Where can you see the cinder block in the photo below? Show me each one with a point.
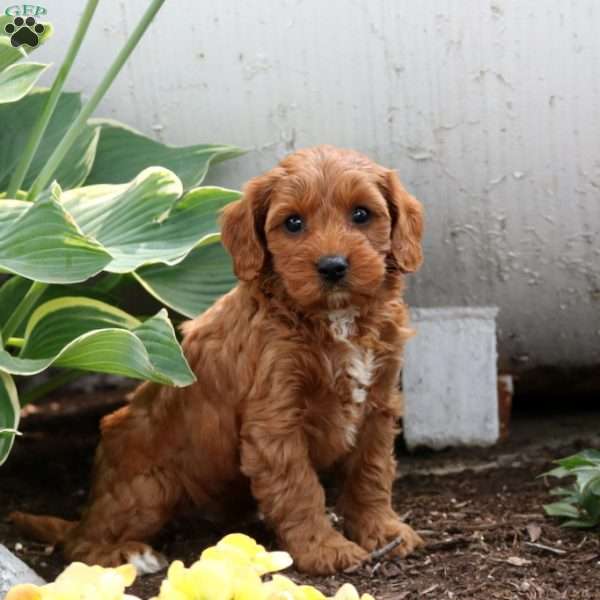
(450, 378)
(13, 570)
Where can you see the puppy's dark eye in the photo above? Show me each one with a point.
(360, 215)
(294, 224)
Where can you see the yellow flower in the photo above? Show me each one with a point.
(214, 577)
(80, 582)
(24, 591)
(348, 592)
(283, 588)
(231, 570)
(241, 550)
(204, 580)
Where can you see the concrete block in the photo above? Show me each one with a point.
(450, 378)
(13, 570)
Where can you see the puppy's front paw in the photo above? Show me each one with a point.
(144, 558)
(147, 562)
(328, 554)
(375, 532)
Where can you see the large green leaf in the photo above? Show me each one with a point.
(8, 53)
(17, 80)
(13, 290)
(9, 414)
(561, 509)
(107, 287)
(192, 285)
(585, 458)
(81, 333)
(18, 118)
(40, 241)
(123, 152)
(144, 221)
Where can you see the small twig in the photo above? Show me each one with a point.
(381, 552)
(450, 543)
(434, 587)
(547, 548)
(376, 554)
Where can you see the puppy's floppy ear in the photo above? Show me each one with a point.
(242, 225)
(407, 223)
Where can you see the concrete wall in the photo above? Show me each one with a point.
(489, 109)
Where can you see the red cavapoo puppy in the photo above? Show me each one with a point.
(297, 372)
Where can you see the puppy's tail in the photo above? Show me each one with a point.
(51, 530)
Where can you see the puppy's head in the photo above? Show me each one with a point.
(333, 226)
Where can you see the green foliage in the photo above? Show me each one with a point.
(580, 501)
(17, 80)
(87, 207)
(124, 152)
(18, 121)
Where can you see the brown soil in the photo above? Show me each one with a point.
(480, 511)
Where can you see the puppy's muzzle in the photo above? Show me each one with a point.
(332, 268)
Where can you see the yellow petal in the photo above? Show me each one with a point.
(24, 591)
(242, 542)
(79, 574)
(281, 583)
(226, 554)
(280, 595)
(128, 573)
(247, 585)
(212, 580)
(311, 593)
(169, 592)
(268, 562)
(346, 592)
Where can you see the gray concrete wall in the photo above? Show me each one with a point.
(490, 110)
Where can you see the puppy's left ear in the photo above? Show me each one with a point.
(242, 226)
(407, 223)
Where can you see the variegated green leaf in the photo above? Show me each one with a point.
(85, 334)
(145, 221)
(17, 80)
(18, 118)
(123, 152)
(192, 285)
(9, 414)
(40, 241)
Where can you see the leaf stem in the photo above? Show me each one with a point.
(15, 342)
(19, 174)
(57, 156)
(31, 297)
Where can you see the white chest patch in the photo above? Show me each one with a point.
(343, 322)
(360, 364)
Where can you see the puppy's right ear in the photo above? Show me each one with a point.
(242, 225)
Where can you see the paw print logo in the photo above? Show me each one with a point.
(24, 31)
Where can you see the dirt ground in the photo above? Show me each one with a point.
(480, 511)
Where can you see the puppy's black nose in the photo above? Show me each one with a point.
(332, 268)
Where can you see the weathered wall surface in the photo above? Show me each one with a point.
(490, 110)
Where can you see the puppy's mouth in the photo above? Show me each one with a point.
(337, 296)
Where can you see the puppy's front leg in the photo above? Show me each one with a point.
(366, 498)
(275, 457)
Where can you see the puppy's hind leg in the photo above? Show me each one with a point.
(121, 518)
(135, 491)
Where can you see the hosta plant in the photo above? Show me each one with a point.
(579, 503)
(85, 206)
